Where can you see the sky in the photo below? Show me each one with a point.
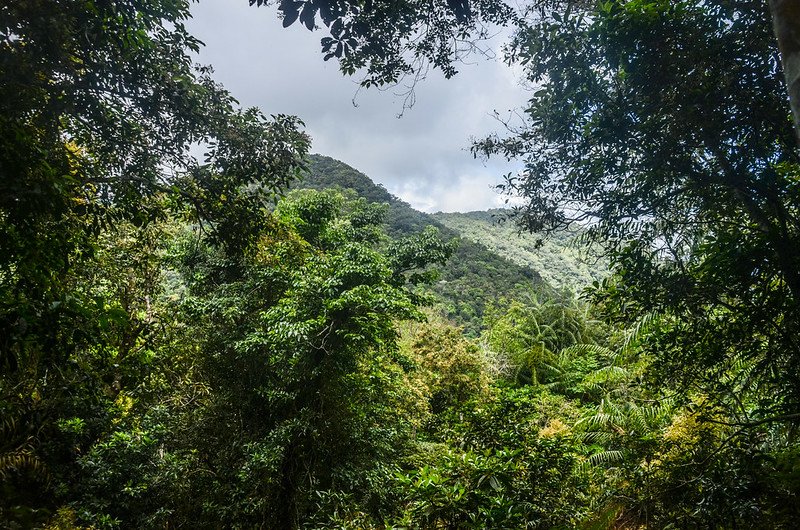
(422, 157)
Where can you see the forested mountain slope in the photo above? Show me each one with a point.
(562, 260)
(491, 260)
(473, 276)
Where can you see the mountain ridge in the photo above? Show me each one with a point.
(561, 258)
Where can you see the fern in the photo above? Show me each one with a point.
(582, 350)
(606, 457)
(602, 458)
(633, 338)
(22, 460)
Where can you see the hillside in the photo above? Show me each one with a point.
(488, 263)
(561, 259)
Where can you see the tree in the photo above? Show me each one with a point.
(287, 377)
(99, 107)
(786, 23)
(450, 370)
(664, 126)
(528, 333)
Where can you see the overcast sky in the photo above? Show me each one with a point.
(422, 157)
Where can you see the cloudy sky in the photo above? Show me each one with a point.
(422, 157)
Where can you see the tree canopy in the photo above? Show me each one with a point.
(665, 127)
(100, 109)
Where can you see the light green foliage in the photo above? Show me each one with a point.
(562, 259)
(449, 368)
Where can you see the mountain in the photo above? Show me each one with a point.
(484, 268)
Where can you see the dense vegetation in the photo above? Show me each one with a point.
(467, 283)
(563, 259)
(189, 343)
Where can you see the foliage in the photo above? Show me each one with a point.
(529, 334)
(494, 489)
(392, 40)
(449, 368)
(665, 125)
(292, 347)
(561, 259)
(690, 472)
(176, 351)
(469, 281)
(100, 106)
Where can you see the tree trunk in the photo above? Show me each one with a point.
(786, 24)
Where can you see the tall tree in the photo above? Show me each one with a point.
(664, 126)
(281, 383)
(99, 107)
